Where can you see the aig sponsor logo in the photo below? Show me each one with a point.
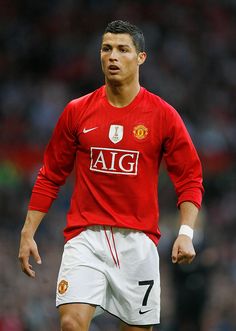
(114, 161)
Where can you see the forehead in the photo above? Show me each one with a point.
(116, 39)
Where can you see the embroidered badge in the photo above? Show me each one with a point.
(116, 133)
(140, 131)
(63, 286)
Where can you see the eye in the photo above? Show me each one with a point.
(124, 50)
(105, 49)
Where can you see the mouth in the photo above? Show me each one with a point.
(113, 68)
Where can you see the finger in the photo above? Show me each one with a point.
(29, 271)
(36, 256)
(191, 258)
(182, 260)
(175, 254)
(185, 258)
(26, 267)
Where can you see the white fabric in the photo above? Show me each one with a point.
(186, 230)
(117, 271)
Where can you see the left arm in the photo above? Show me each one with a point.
(185, 171)
(183, 250)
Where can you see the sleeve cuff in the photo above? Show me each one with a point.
(191, 196)
(40, 202)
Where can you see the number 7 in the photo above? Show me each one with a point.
(150, 285)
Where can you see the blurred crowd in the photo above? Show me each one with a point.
(49, 54)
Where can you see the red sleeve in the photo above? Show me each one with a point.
(58, 163)
(182, 161)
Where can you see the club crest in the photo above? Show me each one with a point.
(140, 132)
(116, 133)
(62, 286)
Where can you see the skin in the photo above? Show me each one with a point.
(122, 85)
(120, 63)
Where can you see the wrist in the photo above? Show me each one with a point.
(27, 233)
(186, 230)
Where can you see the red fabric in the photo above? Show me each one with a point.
(117, 176)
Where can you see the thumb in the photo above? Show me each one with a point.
(174, 253)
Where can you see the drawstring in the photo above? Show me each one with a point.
(115, 258)
(114, 244)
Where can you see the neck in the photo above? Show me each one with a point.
(120, 95)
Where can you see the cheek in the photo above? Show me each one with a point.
(102, 62)
(132, 65)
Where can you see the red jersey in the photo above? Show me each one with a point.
(117, 154)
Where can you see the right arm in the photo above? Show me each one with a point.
(58, 163)
(59, 158)
(28, 245)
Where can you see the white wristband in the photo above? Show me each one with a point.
(187, 230)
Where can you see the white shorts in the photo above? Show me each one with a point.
(115, 269)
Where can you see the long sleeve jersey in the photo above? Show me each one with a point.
(116, 153)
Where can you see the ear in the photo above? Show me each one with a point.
(141, 57)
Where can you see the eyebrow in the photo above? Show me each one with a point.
(120, 45)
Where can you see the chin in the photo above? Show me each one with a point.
(115, 80)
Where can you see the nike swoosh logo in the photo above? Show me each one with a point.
(88, 130)
(144, 312)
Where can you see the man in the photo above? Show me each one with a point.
(116, 138)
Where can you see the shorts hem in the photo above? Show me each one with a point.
(77, 302)
(129, 323)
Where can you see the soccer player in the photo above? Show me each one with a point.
(115, 137)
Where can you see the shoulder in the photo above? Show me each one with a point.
(76, 108)
(160, 105)
(156, 99)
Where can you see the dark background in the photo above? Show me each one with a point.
(49, 54)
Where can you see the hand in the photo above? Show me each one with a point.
(183, 250)
(28, 247)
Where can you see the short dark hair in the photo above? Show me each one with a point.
(126, 27)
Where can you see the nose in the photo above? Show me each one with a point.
(113, 55)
